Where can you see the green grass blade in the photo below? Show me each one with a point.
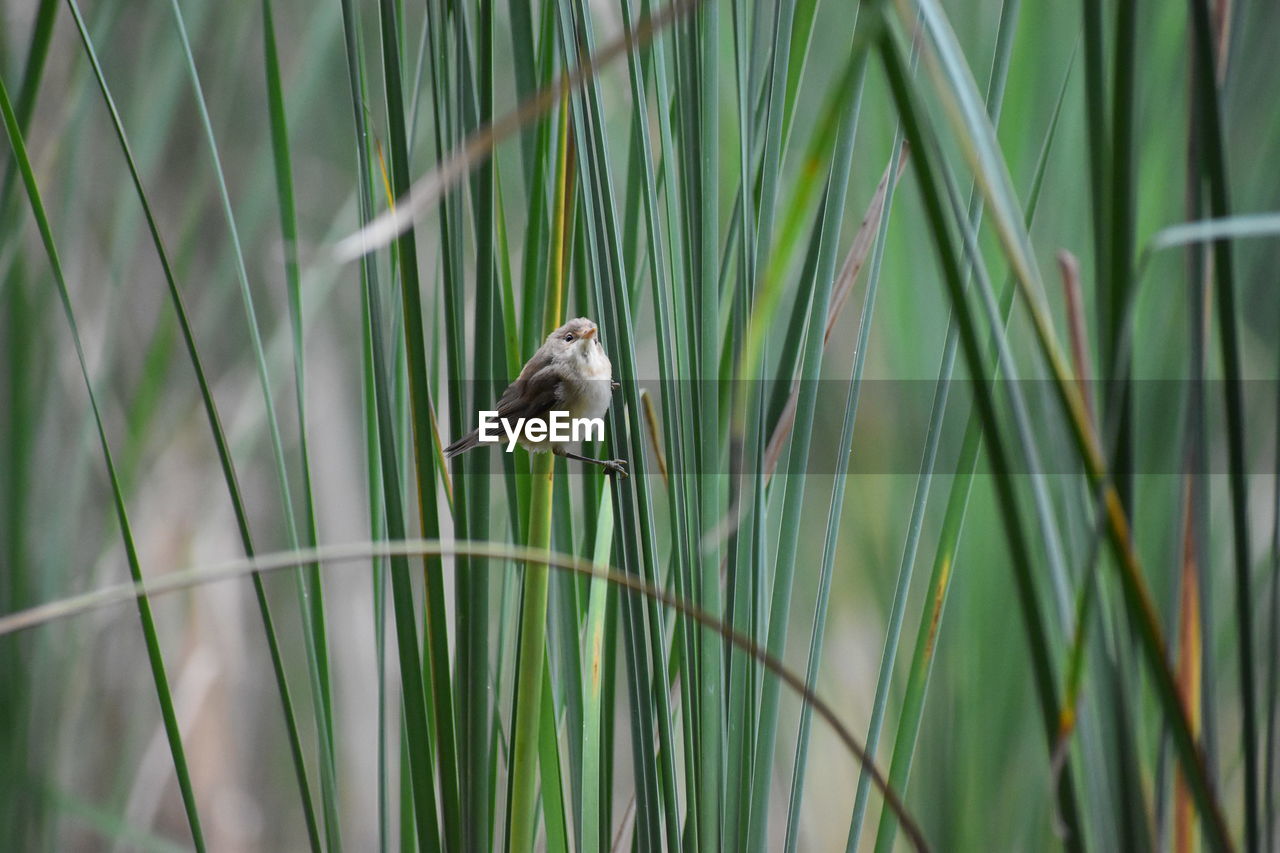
(289, 235)
(553, 805)
(801, 36)
(154, 655)
(32, 74)
(489, 366)
(1214, 147)
(533, 631)
(793, 486)
(665, 277)
(215, 424)
(982, 151)
(644, 626)
(594, 794)
(935, 201)
(1272, 654)
(1098, 144)
(1116, 282)
(533, 607)
(436, 658)
(836, 506)
(953, 519)
(317, 654)
(418, 785)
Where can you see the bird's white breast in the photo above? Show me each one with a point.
(589, 398)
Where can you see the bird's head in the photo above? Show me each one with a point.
(575, 337)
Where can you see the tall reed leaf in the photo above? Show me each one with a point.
(215, 425)
(154, 655)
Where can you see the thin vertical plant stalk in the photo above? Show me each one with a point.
(1214, 147)
(533, 608)
(593, 791)
(435, 659)
(418, 799)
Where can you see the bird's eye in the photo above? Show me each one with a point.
(569, 338)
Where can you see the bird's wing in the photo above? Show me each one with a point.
(539, 390)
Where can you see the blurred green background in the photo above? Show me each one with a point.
(87, 762)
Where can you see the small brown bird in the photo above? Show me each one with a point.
(569, 373)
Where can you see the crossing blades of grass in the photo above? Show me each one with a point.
(428, 189)
(945, 557)
(644, 624)
(935, 200)
(793, 500)
(215, 425)
(363, 552)
(436, 657)
(315, 642)
(154, 655)
(418, 815)
(877, 224)
(289, 236)
(980, 148)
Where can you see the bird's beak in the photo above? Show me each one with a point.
(589, 333)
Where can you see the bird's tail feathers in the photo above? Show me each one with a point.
(462, 445)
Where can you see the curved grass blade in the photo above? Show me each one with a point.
(494, 554)
(154, 655)
(1239, 227)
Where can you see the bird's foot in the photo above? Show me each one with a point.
(615, 385)
(616, 466)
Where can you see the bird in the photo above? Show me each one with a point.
(570, 373)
